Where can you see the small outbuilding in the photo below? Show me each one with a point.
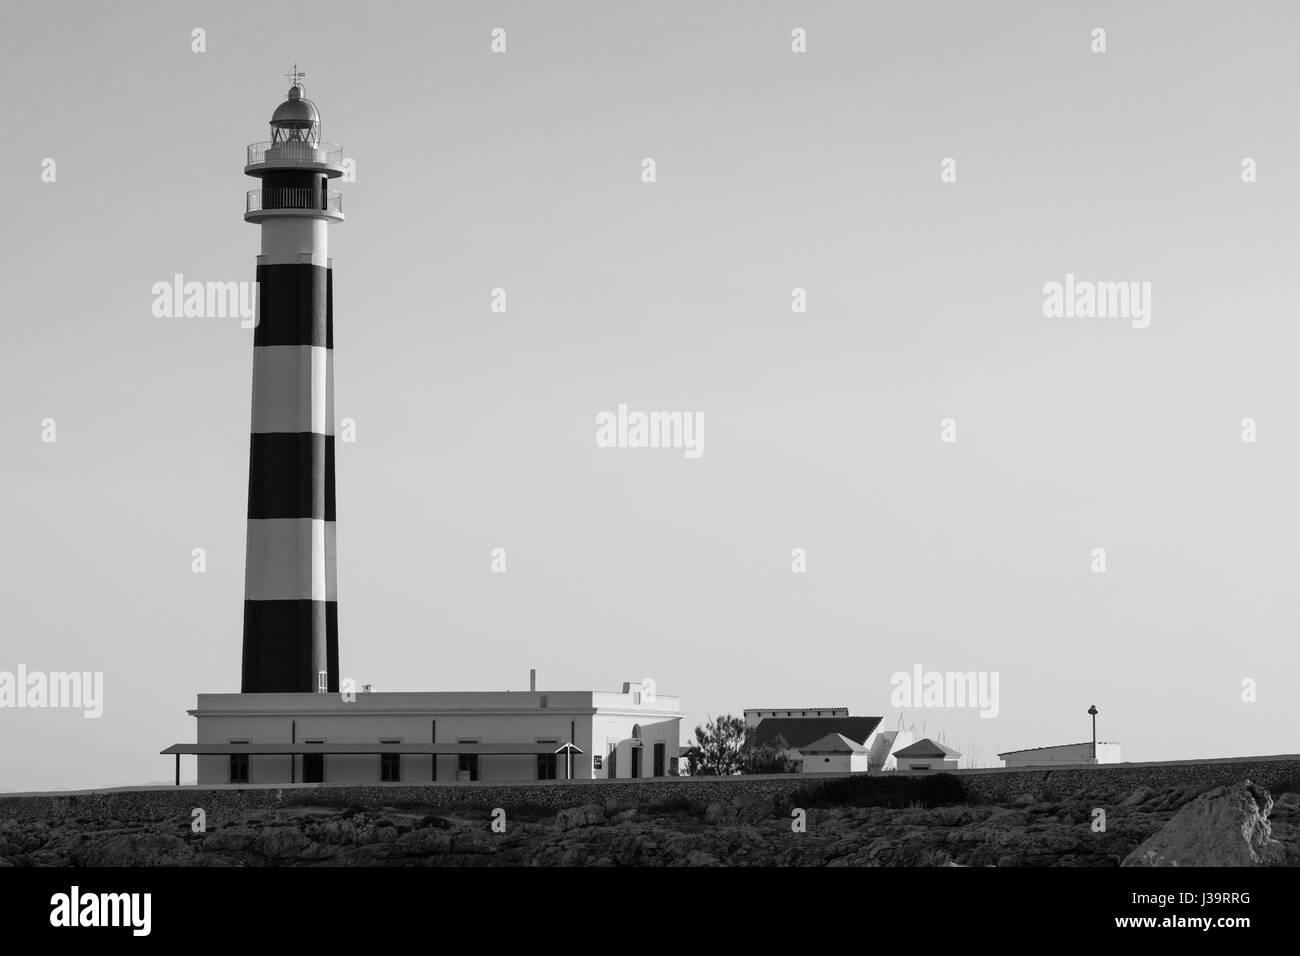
(835, 753)
(926, 754)
(1084, 753)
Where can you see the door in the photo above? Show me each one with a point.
(313, 768)
(660, 751)
(636, 762)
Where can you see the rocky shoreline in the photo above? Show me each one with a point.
(856, 823)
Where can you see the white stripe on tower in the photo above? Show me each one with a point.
(292, 389)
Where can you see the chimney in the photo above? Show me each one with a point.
(532, 679)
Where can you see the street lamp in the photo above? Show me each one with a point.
(1093, 710)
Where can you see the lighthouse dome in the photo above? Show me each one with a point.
(296, 111)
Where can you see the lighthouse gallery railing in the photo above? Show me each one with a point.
(330, 154)
(293, 197)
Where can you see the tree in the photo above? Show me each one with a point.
(725, 746)
(771, 757)
(719, 749)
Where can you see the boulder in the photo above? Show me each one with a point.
(700, 858)
(752, 807)
(716, 813)
(426, 842)
(586, 815)
(137, 849)
(1137, 797)
(474, 841)
(230, 838)
(283, 842)
(1225, 826)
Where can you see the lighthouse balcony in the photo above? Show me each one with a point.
(324, 158)
(300, 201)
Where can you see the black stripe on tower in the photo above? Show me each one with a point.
(289, 311)
(291, 475)
(277, 658)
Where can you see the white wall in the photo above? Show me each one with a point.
(836, 763)
(1066, 754)
(927, 763)
(615, 731)
(282, 718)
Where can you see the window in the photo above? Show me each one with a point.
(390, 765)
(547, 766)
(239, 768)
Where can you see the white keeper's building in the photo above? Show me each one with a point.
(439, 736)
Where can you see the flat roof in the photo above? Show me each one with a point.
(1086, 743)
(503, 749)
(422, 703)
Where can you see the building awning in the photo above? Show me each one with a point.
(341, 749)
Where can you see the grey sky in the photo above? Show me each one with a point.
(475, 429)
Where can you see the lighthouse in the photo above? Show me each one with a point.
(290, 600)
(289, 723)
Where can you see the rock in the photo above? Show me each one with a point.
(229, 838)
(137, 849)
(752, 807)
(1225, 826)
(426, 842)
(700, 858)
(1025, 800)
(341, 832)
(1137, 797)
(283, 842)
(1289, 802)
(586, 815)
(473, 841)
(716, 813)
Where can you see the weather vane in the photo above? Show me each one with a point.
(295, 78)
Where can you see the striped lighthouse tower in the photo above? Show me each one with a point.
(290, 604)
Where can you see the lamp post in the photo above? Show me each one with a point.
(1093, 710)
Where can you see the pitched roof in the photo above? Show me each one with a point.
(925, 747)
(799, 732)
(833, 744)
